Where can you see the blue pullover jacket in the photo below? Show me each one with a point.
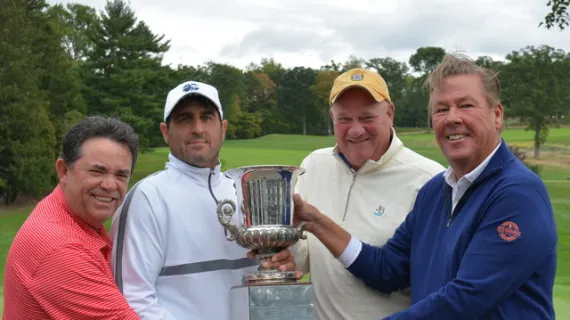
(494, 257)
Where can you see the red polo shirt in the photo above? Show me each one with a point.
(59, 267)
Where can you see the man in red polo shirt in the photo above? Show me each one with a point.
(58, 266)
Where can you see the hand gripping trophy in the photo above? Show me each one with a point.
(265, 209)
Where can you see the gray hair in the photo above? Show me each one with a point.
(459, 64)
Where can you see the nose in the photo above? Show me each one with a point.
(198, 126)
(356, 129)
(109, 182)
(453, 117)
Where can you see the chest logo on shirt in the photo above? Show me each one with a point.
(509, 231)
(379, 211)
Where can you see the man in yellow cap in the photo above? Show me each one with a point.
(367, 183)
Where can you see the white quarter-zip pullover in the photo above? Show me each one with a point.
(171, 258)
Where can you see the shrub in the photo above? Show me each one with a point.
(521, 155)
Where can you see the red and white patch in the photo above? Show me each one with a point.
(509, 231)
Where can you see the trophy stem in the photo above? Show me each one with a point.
(266, 254)
(271, 275)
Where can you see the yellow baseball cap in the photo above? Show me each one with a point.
(358, 77)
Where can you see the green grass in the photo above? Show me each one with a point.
(291, 149)
(10, 223)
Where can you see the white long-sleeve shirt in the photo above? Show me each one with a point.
(370, 204)
(170, 255)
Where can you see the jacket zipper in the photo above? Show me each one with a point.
(348, 196)
(212, 193)
(453, 212)
(210, 185)
(450, 212)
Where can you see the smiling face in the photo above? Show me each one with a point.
(96, 183)
(195, 133)
(466, 127)
(362, 126)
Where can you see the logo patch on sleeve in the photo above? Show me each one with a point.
(509, 231)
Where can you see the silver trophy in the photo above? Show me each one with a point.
(265, 202)
(265, 210)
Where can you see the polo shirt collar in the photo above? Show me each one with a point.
(97, 238)
(470, 177)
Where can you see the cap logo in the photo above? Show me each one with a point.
(357, 77)
(190, 87)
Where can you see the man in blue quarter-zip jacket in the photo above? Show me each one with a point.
(480, 241)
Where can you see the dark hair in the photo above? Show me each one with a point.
(194, 98)
(98, 127)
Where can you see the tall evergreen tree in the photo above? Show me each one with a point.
(27, 136)
(60, 78)
(124, 76)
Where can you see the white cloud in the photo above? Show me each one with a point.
(297, 33)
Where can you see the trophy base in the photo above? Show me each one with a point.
(270, 276)
(277, 301)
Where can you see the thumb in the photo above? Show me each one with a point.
(298, 201)
(297, 206)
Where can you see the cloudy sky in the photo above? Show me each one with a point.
(311, 33)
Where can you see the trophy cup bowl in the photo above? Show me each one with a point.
(266, 211)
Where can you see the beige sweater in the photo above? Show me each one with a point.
(370, 204)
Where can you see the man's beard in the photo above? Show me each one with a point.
(202, 161)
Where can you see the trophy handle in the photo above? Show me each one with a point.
(301, 229)
(225, 210)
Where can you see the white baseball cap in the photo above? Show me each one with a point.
(190, 88)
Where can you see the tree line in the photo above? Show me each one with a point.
(60, 63)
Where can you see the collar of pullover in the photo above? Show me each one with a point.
(201, 175)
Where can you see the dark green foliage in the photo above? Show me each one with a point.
(536, 88)
(123, 74)
(27, 136)
(60, 63)
(558, 15)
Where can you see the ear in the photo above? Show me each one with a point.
(390, 111)
(224, 128)
(498, 112)
(62, 170)
(164, 131)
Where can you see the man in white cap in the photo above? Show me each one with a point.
(171, 258)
